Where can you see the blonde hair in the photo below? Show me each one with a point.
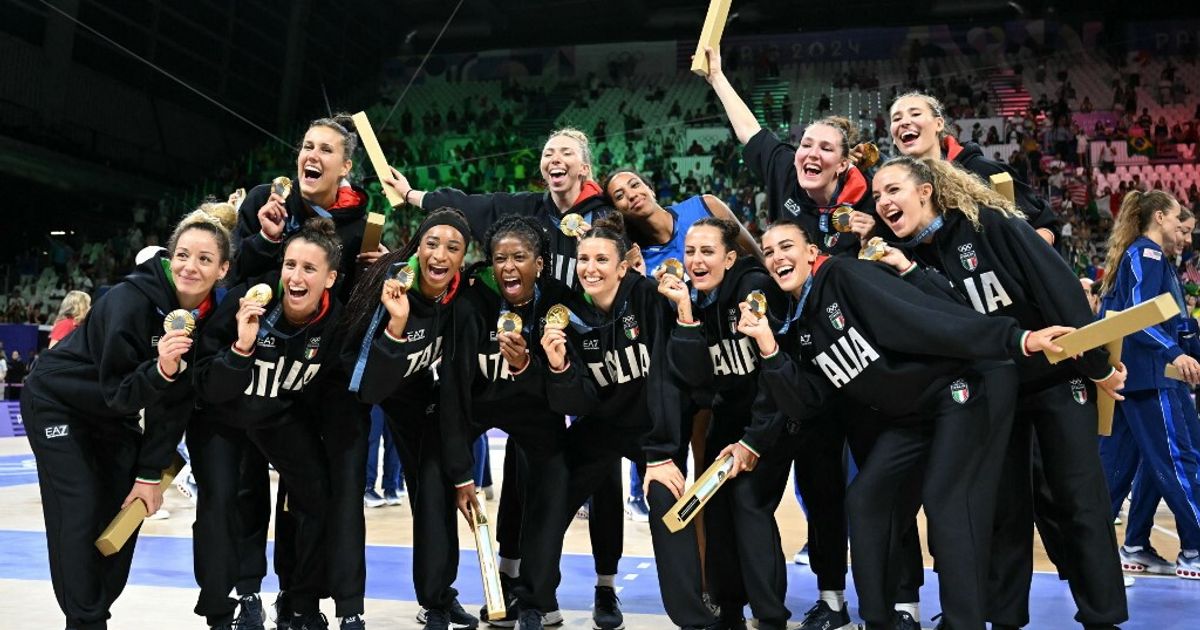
(216, 218)
(75, 305)
(1134, 218)
(585, 147)
(843, 126)
(935, 107)
(955, 189)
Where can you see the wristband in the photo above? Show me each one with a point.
(406, 197)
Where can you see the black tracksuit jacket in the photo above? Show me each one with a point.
(286, 372)
(1005, 268)
(476, 382)
(887, 344)
(108, 369)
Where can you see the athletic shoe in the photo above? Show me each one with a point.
(636, 510)
(531, 619)
(801, 556)
(372, 499)
(1144, 560)
(1188, 566)
(584, 512)
(391, 497)
(822, 617)
(314, 621)
(283, 611)
(251, 615)
(161, 515)
(437, 619)
(901, 620)
(353, 622)
(509, 620)
(185, 484)
(459, 618)
(552, 618)
(606, 610)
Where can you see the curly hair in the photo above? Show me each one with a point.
(524, 229)
(955, 189)
(1137, 212)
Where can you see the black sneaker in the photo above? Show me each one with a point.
(437, 619)
(353, 622)
(901, 620)
(510, 607)
(459, 618)
(822, 617)
(531, 619)
(283, 611)
(314, 621)
(606, 611)
(251, 615)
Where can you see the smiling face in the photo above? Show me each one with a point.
(600, 266)
(563, 165)
(903, 205)
(322, 162)
(820, 160)
(705, 257)
(516, 267)
(788, 256)
(305, 276)
(196, 266)
(1185, 235)
(440, 256)
(631, 196)
(915, 128)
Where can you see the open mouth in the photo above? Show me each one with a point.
(557, 175)
(591, 280)
(812, 170)
(297, 293)
(784, 271)
(909, 136)
(697, 274)
(511, 285)
(436, 273)
(310, 174)
(893, 216)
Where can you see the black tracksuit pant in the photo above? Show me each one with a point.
(863, 427)
(1066, 434)
(86, 468)
(343, 424)
(744, 555)
(946, 441)
(594, 448)
(295, 450)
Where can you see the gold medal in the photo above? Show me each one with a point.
(558, 316)
(260, 294)
(571, 225)
(758, 303)
(405, 276)
(874, 249)
(509, 323)
(180, 319)
(670, 266)
(841, 218)
(281, 186)
(870, 155)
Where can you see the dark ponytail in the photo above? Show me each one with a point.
(342, 123)
(610, 227)
(322, 232)
(728, 229)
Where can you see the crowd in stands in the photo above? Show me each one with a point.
(1089, 136)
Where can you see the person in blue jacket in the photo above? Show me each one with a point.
(1150, 422)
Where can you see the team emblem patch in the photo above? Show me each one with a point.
(631, 327)
(960, 392)
(1078, 391)
(968, 257)
(831, 240)
(311, 351)
(836, 319)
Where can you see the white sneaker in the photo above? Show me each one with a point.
(161, 515)
(1144, 560)
(1188, 566)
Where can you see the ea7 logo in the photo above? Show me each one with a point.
(591, 344)
(791, 206)
(416, 335)
(57, 431)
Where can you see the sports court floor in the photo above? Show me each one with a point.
(161, 591)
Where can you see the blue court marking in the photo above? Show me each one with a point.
(1154, 603)
(16, 470)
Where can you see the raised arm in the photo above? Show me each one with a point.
(745, 125)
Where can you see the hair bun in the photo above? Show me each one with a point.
(222, 212)
(321, 225)
(611, 221)
(346, 120)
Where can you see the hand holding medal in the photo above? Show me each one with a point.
(250, 310)
(394, 298)
(179, 325)
(512, 342)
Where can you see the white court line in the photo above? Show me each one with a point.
(630, 576)
(643, 565)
